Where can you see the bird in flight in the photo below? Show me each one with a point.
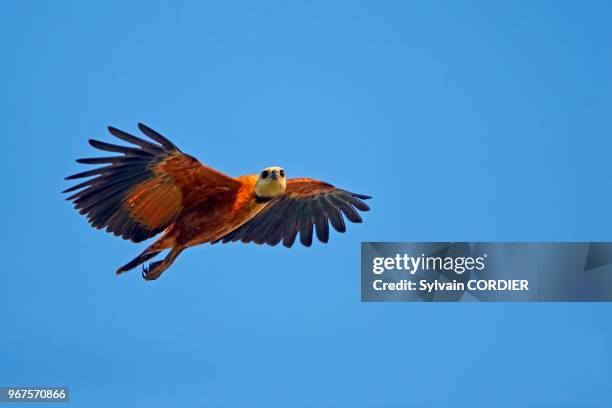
(153, 187)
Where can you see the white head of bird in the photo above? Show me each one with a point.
(271, 182)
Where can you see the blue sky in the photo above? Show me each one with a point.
(465, 120)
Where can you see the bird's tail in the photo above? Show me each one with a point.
(140, 259)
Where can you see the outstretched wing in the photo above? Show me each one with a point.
(143, 190)
(305, 204)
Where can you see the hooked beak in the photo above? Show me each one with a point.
(274, 175)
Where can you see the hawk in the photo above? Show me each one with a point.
(152, 187)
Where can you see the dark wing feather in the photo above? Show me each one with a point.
(145, 145)
(167, 144)
(140, 192)
(307, 207)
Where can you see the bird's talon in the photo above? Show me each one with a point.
(149, 272)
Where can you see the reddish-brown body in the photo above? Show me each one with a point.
(215, 217)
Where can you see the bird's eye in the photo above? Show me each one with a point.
(282, 173)
(264, 174)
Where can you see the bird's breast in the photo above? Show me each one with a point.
(216, 218)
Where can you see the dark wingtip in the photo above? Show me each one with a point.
(72, 177)
(114, 131)
(70, 190)
(362, 196)
(144, 128)
(156, 136)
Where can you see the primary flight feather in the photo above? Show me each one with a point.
(154, 187)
